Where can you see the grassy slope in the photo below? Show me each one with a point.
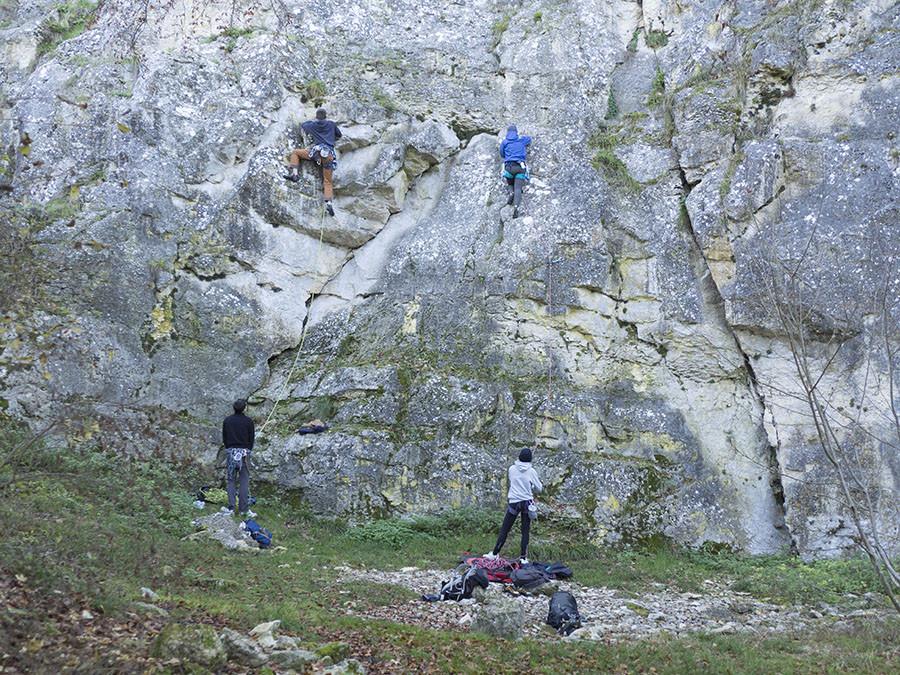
(101, 528)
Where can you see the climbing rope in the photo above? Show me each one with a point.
(550, 315)
(312, 297)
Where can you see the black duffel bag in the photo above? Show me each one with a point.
(563, 615)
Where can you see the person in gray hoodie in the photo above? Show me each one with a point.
(523, 483)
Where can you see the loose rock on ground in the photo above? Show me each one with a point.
(607, 614)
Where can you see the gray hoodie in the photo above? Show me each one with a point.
(523, 479)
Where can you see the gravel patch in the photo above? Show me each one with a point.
(608, 615)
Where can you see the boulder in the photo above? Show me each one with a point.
(286, 643)
(242, 649)
(293, 659)
(223, 528)
(500, 617)
(190, 644)
(347, 666)
(264, 633)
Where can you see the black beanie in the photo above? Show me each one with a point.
(525, 455)
(321, 114)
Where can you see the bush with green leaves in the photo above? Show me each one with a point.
(390, 532)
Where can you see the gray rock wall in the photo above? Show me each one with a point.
(156, 266)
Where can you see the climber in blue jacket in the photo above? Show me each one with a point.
(513, 149)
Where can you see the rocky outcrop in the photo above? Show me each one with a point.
(156, 266)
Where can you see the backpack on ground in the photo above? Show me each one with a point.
(260, 535)
(563, 615)
(558, 571)
(529, 577)
(462, 582)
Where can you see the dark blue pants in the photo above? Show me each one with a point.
(243, 479)
(514, 510)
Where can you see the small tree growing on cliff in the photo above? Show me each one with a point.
(822, 332)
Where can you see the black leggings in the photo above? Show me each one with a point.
(512, 512)
(514, 188)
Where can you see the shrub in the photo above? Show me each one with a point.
(603, 143)
(314, 91)
(657, 89)
(392, 532)
(612, 108)
(656, 39)
(500, 26)
(70, 20)
(385, 101)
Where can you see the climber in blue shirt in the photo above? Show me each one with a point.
(513, 149)
(323, 133)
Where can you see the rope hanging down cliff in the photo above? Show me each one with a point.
(312, 297)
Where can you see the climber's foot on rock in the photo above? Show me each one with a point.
(516, 212)
(329, 208)
(293, 177)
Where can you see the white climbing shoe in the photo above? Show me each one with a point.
(490, 555)
(523, 561)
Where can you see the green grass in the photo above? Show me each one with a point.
(656, 39)
(314, 91)
(633, 42)
(733, 163)
(70, 20)
(236, 32)
(499, 27)
(385, 101)
(657, 90)
(91, 523)
(603, 143)
(612, 108)
(232, 35)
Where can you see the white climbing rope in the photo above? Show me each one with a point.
(550, 315)
(312, 297)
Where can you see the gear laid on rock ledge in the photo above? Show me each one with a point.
(607, 614)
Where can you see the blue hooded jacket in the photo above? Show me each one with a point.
(512, 149)
(323, 132)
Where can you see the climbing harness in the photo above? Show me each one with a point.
(513, 170)
(324, 156)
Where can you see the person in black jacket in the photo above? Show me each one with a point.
(324, 134)
(238, 433)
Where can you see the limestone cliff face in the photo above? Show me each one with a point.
(156, 265)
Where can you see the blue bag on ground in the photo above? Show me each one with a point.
(260, 534)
